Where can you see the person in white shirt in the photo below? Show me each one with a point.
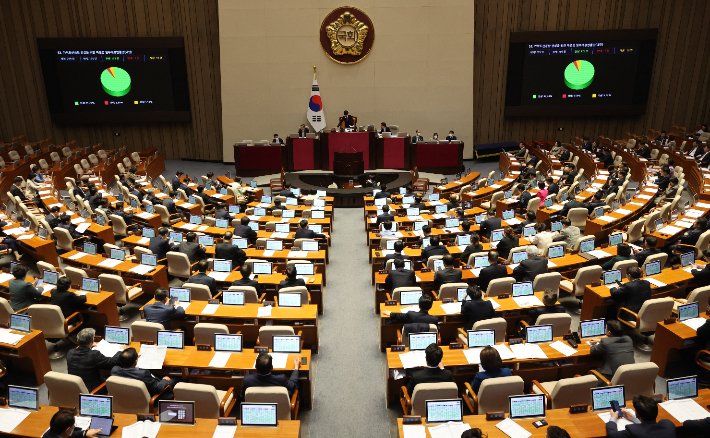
(543, 237)
(387, 230)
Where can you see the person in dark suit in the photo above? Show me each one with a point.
(453, 202)
(491, 272)
(400, 277)
(52, 217)
(493, 366)
(649, 249)
(697, 427)
(384, 128)
(643, 151)
(566, 154)
(277, 206)
(245, 280)
(569, 174)
(68, 302)
(530, 219)
(169, 202)
(422, 315)
(22, 293)
(302, 131)
(292, 279)
(617, 349)
(79, 189)
(161, 311)
(451, 136)
(398, 248)
(264, 378)
(127, 217)
(223, 213)
(304, 233)
(476, 308)
(521, 153)
(597, 201)
(623, 252)
(491, 223)
(448, 274)
(243, 230)
(383, 193)
(94, 198)
(207, 199)
(549, 300)
(16, 189)
(688, 239)
(192, 249)
(202, 278)
(346, 120)
(696, 150)
(159, 245)
(418, 203)
(702, 276)
(433, 373)
(128, 367)
(633, 294)
(663, 179)
(426, 232)
(474, 247)
(277, 140)
(525, 197)
(124, 182)
(184, 186)
(508, 242)
(644, 421)
(434, 249)
(704, 158)
(85, 362)
(62, 426)
(176, 180)
(663, 138)
(65, 222)
(552, 187)
(417, 137)
(528, 269)
(287, 191)
(227, 251)
(386, 216)
(569, 206)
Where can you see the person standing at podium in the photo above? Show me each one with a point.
(277, 140)
(451, 136)
(302, 131)
(417, 137)
(346, 121)
(384, 128)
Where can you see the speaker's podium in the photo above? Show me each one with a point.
(348, 163)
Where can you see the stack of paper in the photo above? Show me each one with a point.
(412, 431)
(106, 348)
(694, 213)
(142, 429)
(77, 220)
(219, 276)
(110, 263)
(414, 218)
(670, 229)
(210, 309)
(550, 264)
(152, 357)
(413, 359)
(685, 409)
(496, 306)
(606, 218)
(528, 351)
(187, 205)
(297, 254)
(644, 196)
(598, 253)
(473, 355)
(528, 301)
(161, 195)
(556, 207)
(563, 348)
(655, 282)
(11, 418)
(7, 337)
(144, 241)
(6, 277)
(695, 323)
(29, 236)
(409, 309)
(144, 215)
(514, 221)
(448, 430)
(513, 429)
(189, 226)
(142, 269)
(622, 211)
(684, 223)
(504, 352)
(268, 253)
(451, 308)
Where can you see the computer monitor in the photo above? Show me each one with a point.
(508, 214)
(464, 239)
(380, 201)
(289, 299)
(240, 242)
(496, 235)
(508, 193)
(175, 237)
(180, 293)
(230, 343)
(615, 239)
(402, 190)
(564, 196)
(523, 289)
(90, 284)
(118, 254)
(658, 223)
(258, 211)
(481, 338)
(615, 205)
(21, 323)
(556, 226)
(176, 412)
(433, 197)
(266, 199)
(320, 193)
(598, 212)
(84, 214)
(529, 231)
(286, 344)
(253, 225)
(195, 219)
(206, 240)
(282, 228)
(389, 244)
(536, 334)
(50, 277)
(682, 387)
(305, 268)
(174, 340)
(426, 241)
(420, 341)
(438, 265)
(234, 209)
(586, 245)
(603, 396)
(653, 268)
(222, 265)
(687, 259)
(309, 245)
(549, 202)
(233, 298)
(149, 259)
(688, 311)
(42, 233)
(408, 297)
(612, 276)
(519, 256)
(480, 218)
(481, 262)
(21, 397)
(443, 411)
(90, 248)
(291, 201)
(452, 223)
(555, 251)
(191, 200)
(593, 328)
(100, 220)
(296, 191)
(117, 335)
(253, 184)
(262, 268)
(259, 414)
(418, 225)
(407, 199)
(315, 214)
(221, 223)
(95, 405)
(413, 212)
(526, 406)
(148, 232)
(461, 294)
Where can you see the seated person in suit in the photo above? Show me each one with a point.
(543, 237)
(152, 198)
(493, 366)
(277, 206)
(418, 203)
(200, 192)
(549, 299)
(169, 203)
(398, 248)
(65, 222)
(426, 231)
(569, 233)
(447, 275)
(522, 151)
(633, 294)
(225, 250)
(696, 150)
(22, 293)
(528, 269)
(689, 238)
(475, 246)
(52, 217)
(79, 189)
(569, 173)
(161, 311)
(422, 315)
(160, 245)
(277, 140)
(574, 203)
(465, 228)
(491, 223)
(663, 179)
(508, 242)
(434, 249)
(387, 230)
(127, 217)
(386, 216)
(617, 349)
(623, 252)
(68, 302)
(86, 362)
(304, 233)
(700, 273)
(246, 280)
(16, 189)
(649, 249)
(663, 138)
(62, 425)
(644, 151)
(383, 193)
(552, 187)
(451, 136)
(287, 191)
(704, 158)
(476, 308)
(128, 367)
(492, 271)
(192, 249)
(400, 277)
(525, 197)
(453, 202)
(668, 194)
(264, 378)
(643, 421)
(223, 213)
(371, 181)
(176, 179)
(202, 278)
(556, 149)
(243, 230)
(597, 201)
(184, 186)
(384, 128)
(94, 198)
(417, 136)
(292, 279)
(302, 131)
(433, 373)
(566, 154)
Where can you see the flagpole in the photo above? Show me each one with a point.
(314, 72)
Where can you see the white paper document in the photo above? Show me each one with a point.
(496, 306)
(186, 205)
(278, 359)
(203, 228)
(189, 226)
(622, 211)
(11, 418)
(8, 337)
(152, 357)
(6, 277)
(606, 218)
(563, 348)
(694, 213)
(210, 309)
(413, 359)
(263, 312)
(448, 430)
(695, 324)
(702, 205)
(685, 409)
(282, 235)
(550, 264)
(77, 256)
(77, 220)
(528, 351)
(451, 308)
(598, 253)
(106, 348)
(642, 196)
(268, 253)
(141, 429)
(297, 254)
(528, 301)
(513, 429)
(655, 282)
(684, 224)
(513, 221)
(414, 431)
(504, 352)
(29, 236)
(670, 229)
(110, 263)
(144, 215)
(220, 359)
(219, 276)
(556, 207)
(144, 241)
(621, 423)
(224, 431)
(142, 269)
(473, 355)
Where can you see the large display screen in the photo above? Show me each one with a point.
(579, 73)
(115, 79)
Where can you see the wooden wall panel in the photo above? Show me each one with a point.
(23, 102)
(680, 87)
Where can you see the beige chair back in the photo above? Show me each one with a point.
(64, 388)
(431, 391)
(164, 214)
(178, 264)
(500, 286)
(703, 241)
(271, 394)
(198, 292)
(637, 378)
(654, 311)
(498, 324)
(635, 231)
(44, 266)
(64, 239)
(302, 290)
(586, 276)
(493, 393)
(145, 331)
(5, 311)
(267, 333)
(130, 396)
(298, 243)
(75, 274)
(135, 156)
(560, 322)
(204, 334)
(430, 262)
(206, 397)
(119, 225)
(548, 282)
(624, 266)
(662, 257)
(573, 391)
(115, 284)
(450, 290)
(546, 248)
(578, 245)
(250, 263)
(49, 319)
(700, 295)
(250, 295)
(138, 251)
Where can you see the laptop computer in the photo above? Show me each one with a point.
(461, 294)
(305, 269)
(508, 214)
(118, 254)
(240, 242)
(90, 248)
(536, 334)
(176, 237)
(274, 245)
(586, 246)
(221, 223)
(49, 277)
(148, 232)
(592, 328)
(464, 239)
(682, 387)
(95, 405)
(282, 228)
(556, 226)
(496, 236)
(205, 240)
(526, 406)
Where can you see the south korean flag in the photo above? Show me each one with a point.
(315, 114)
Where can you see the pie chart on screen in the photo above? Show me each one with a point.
(579, 74)
(116, 81)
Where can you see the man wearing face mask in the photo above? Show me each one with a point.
(417, 137)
